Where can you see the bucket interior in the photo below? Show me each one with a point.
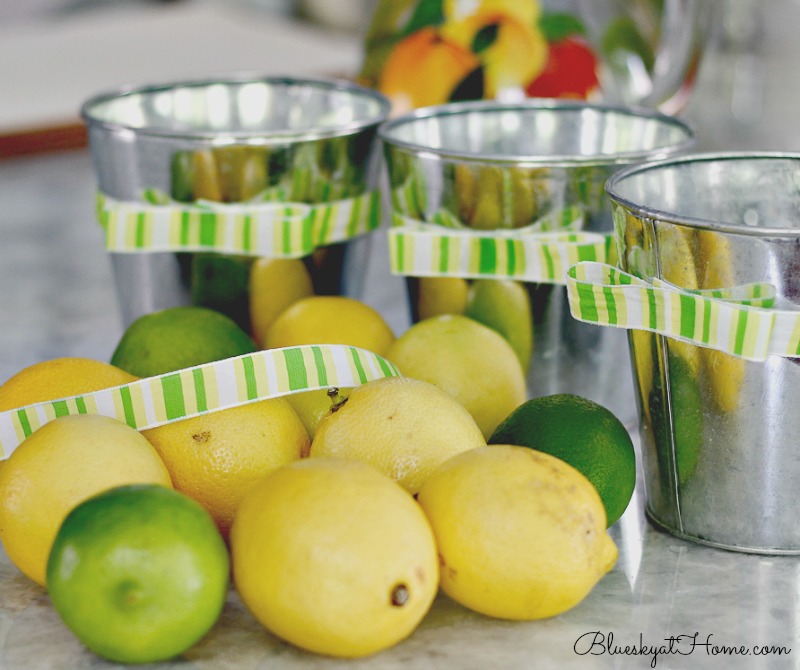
(270, 109)
(530, 133)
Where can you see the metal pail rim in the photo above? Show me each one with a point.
(387, 133)
(255, 136)
(645, 212)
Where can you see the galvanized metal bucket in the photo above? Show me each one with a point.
(509, 181)
(239, 167)
(712, 246)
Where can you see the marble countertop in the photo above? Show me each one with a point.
(661, 588)
(57, 299)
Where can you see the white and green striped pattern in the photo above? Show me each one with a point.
(154, 401)
(424, 249)
(739, 321)
(259, 227)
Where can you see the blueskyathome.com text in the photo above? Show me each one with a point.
(596, 643)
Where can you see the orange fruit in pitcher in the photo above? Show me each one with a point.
(423, 69)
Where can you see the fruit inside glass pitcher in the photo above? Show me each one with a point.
(644, 52)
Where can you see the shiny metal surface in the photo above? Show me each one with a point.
(234, 138)
(532, 133)
(263, 111)
(493, 165)
(718, 433)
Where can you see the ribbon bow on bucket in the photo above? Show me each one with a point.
(264, 226)
(739, 320)
(538, 253)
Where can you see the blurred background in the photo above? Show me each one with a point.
(55, 53)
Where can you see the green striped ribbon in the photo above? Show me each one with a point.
(262, 227)
(740, 321)
(154, 401)
(533, 254)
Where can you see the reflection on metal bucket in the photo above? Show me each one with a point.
(538, 166)
(196, 147)
(718, 431)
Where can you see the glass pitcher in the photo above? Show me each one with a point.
(631, 52)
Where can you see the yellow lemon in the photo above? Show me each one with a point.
(584, 434)
(471, 362)
(60, 465)
(216, 458)
(334, 557)
(205, 176)
(330, 320)
(521, 534)
(403, 427)
(312, 406)
(725, 373)
(642, 348)
(275, 284)
(59, 378)
(441, 295)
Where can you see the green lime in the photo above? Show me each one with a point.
(138, 573)
(179, 337)
(221, 282)
(582, 433)
(505, 306)
(679, 429)
(182, 171)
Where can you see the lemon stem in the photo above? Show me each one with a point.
(336, 400)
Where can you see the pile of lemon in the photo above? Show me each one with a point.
(343, 513)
